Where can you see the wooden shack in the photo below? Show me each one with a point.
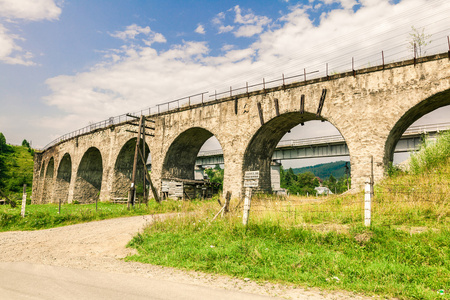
(187, 189)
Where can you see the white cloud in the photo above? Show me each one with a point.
(227, 47)
(200, 29)
(22, 10)
(131, 32)
(155, 38)
(218, 19)
(247, 24)
(248, 31)
(251, 23)
(30, 10)
(224, 29)
(249, 18)
(346, 4)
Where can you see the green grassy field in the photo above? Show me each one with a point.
(375, 261)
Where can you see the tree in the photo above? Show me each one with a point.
(216, 175)
(287, 178)
(25, 144)
(331, 183)
(418, 41)
(3, 175)
(3, 145)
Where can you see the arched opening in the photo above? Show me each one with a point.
(296, 143)
(186, 165)
(428, 116)
(123, 169)
(48, 182)
(63, 177)
(89, 177)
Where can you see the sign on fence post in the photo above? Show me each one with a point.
(24, 200)
(367, 203)
(251, 179)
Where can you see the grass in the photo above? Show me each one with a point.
(321, 242)
(431, 155)
(377, 260)
(42, 216)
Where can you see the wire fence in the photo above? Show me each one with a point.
(404, 204)
(350, 62)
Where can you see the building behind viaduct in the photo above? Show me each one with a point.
(371, 109)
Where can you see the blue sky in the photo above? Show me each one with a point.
(64, 64)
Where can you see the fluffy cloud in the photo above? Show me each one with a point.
(131, 32)
(249, 18)
(224, 29)
(22, 10)
(251, 23)
(30, 10)
(10, 52)
(200, 29)
(346, 4)
(246, 23)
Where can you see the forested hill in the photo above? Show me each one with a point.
(337, 169)
(16, 166)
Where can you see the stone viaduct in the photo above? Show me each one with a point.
(371, 108)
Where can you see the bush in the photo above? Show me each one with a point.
(431, 154)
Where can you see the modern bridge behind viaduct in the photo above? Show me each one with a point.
(371, 109)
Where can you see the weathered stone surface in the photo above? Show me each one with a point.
(370, 110)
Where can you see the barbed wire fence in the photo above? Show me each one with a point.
(410, 200)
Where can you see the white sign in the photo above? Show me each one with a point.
(251, 183)
(251, 175)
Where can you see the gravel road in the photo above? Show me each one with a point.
(100, 246)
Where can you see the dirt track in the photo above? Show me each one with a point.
(99, 246)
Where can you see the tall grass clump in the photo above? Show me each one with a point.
(420, 195)
(431, 154)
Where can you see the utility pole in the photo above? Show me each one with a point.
(139, 155)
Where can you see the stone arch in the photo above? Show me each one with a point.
(258, 153)
(123, 168)
(48, 182)
(89, 176)
(409, 117)
(63, 177)
(179, 161)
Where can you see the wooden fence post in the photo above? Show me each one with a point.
(247, 202)
(368, 203)
(24, 200)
